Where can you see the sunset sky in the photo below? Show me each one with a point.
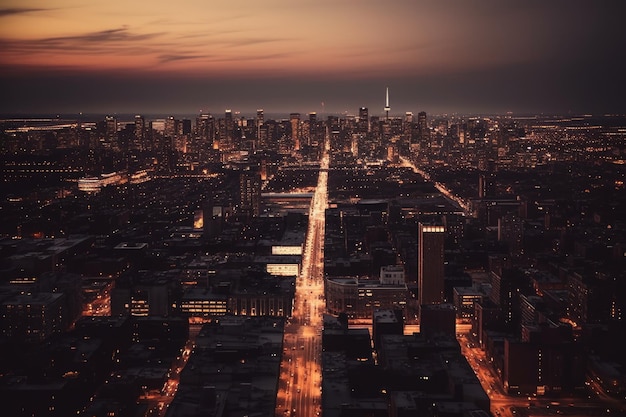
(189, 55)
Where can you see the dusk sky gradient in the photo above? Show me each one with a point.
(180, 57)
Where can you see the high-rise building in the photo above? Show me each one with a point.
(205, 128)
(430, 284)
(294, 120)
(227, 128)
(375, 129)
(423, 134)
(258, 122)
(264, 135)
(363, 125)
(407, 129)
(140, 132)
(170, 127)
(110, 140)
(184, 127)
(268, 134)
(386, 131)
(312, 128)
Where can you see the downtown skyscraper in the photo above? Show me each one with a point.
(430, 264)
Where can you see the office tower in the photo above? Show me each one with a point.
(229, 128)
(219, 142)
(387, 107)
(267, 135)
(408, 122)
(430, 264)
(263, 136)
(140, 132)
(506, 286)
(386, 131)
(228, 117)
(170, 127)
(363, 125)
(250, 193)
(258, 122)
(407, 130)
(184, 127)
(375, 127)
(305, 133)
(110, 139)
(205, 128)
(407, 125)
(294, 120)
(312, 128)
(333, 122)
(423, 135)
(332, 126)
(226, 127)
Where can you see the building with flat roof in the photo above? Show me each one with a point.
(430, 284)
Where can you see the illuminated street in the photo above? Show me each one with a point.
(504, 405)
(299, 391)
(160, 401)
(440, 187)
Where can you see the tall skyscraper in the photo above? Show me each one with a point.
(170, 127)
(430, 264)
(407, 128)
(110, 140)
(375, 128)
(205, 129)
(140, 132)
(362, 124)
(423, 134)
(226, 129)
(184, 127)
(312, 128)
(387, 106)
(294, 120)
(258, 122)
(364, 121)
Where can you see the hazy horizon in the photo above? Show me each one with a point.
(440, 57)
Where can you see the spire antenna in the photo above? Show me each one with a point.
(387, 107)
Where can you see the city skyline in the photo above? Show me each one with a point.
(530, 57)
(163, 267)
